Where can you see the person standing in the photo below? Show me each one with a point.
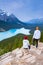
(36, 36)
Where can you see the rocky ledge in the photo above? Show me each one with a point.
(34, 56)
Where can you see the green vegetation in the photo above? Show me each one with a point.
(14, 42)
(41, 39)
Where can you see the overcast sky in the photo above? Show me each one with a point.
(25, 10)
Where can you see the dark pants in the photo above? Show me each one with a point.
(35, 41)
(29, 46)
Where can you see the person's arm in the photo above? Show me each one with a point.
(33, 34)
(39, 34)
(33, 37)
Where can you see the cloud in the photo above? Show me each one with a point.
(23, 9)
(17, 5)
(11, 6)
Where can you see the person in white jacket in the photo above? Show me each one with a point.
(36, 36)
(26, 44)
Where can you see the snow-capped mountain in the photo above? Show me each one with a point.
(12, 22)
(9, 22)
(3, 15)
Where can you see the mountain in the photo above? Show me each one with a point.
(12, 22)
(35, 22)
(9, 22)
(3, 15)
(1, 29)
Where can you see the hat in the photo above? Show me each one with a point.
(25, 37)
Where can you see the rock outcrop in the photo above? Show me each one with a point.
(34, 56)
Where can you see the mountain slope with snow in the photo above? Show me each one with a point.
(12, 22)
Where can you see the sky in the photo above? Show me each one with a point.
(24, 10)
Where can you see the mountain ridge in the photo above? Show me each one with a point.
(11, 21)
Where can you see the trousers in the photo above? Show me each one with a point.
(35, 41)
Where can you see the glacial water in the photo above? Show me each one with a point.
(13, 32)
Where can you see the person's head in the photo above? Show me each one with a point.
(37, 28)
(25, 37)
